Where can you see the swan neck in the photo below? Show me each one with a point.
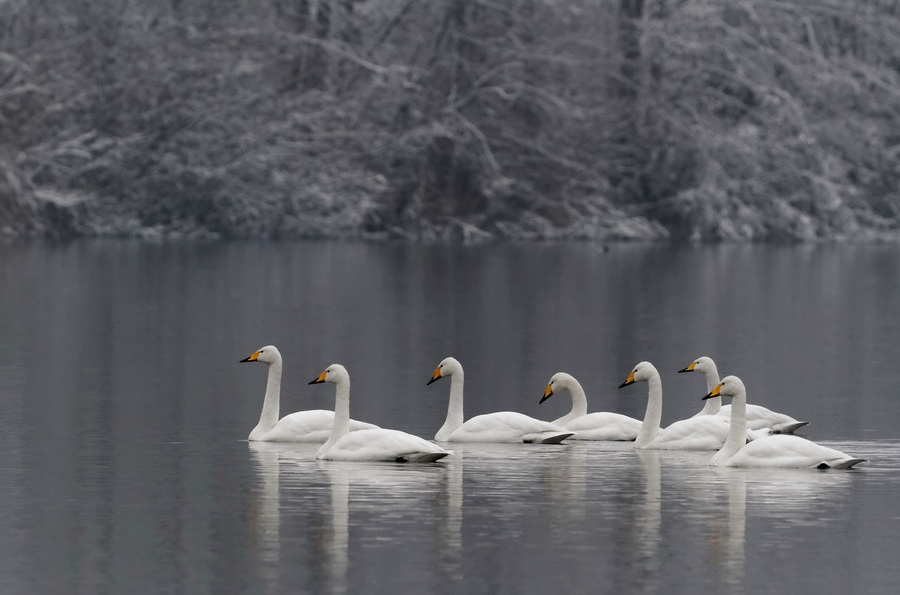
(341, 425)
(455, 408)
(271, 402)
(653, 415)
(737, 431)
(713, 405)
(579, 404)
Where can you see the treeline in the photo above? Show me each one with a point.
(451, 119)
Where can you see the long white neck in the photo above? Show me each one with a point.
(737, 432)
(579, 403)
(653, 415)
(271, 403)
(341, 425)
(713, 405)
(455, 409)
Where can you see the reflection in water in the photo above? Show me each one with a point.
(338, 539)
(124, 471)
(450, 541)
(361, 497)
(792, 494)
(648, 518)
(728, 540)
(265, 519)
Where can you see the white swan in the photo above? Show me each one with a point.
(601, 425)
(707, 432)
(313, 425)
(758, 417)
(368, 445)
(771, 451)
(503, 426)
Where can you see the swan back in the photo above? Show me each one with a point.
(503, 426)
(375, 444)
(771, 451)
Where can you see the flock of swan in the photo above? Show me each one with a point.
(743, 435)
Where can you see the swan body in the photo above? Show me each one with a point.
(707, 432)
(503, 426)
(758, 417)
(376, 444)
(772, 451)
(313, 425)
(601, 425)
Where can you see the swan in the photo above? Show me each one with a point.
(503, 426)
(375, 444)
(707, 432)
(758, 417)
(772, 451)
(303, 426)
(589, 426)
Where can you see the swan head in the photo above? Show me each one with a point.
(641, 373)
(701, 364)
(448, 367)
(334, 373)
(267, 355)
(559, 381)
(731, 386)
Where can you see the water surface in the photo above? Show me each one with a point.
(125, 415)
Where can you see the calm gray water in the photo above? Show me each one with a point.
(125, 412)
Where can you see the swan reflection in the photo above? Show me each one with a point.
(795, 496)
(265, 511)
(727, 535)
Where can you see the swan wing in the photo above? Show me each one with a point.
(706, 432)
(313, 425)
(604, 426)
(790, 452)
(384, 445)
(759, 418)
(509, 427)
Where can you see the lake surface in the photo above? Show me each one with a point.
(125, 412)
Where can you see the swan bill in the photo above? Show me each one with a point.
(689, 368)
(252, 358)
(715, 392)
(436, 376)
(547, 394)
(320, 378)
(629, 380)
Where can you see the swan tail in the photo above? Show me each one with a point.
(421, 457)
(552, 438)
(840, 463)
(788, 427)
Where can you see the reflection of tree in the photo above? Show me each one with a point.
(453, 118)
